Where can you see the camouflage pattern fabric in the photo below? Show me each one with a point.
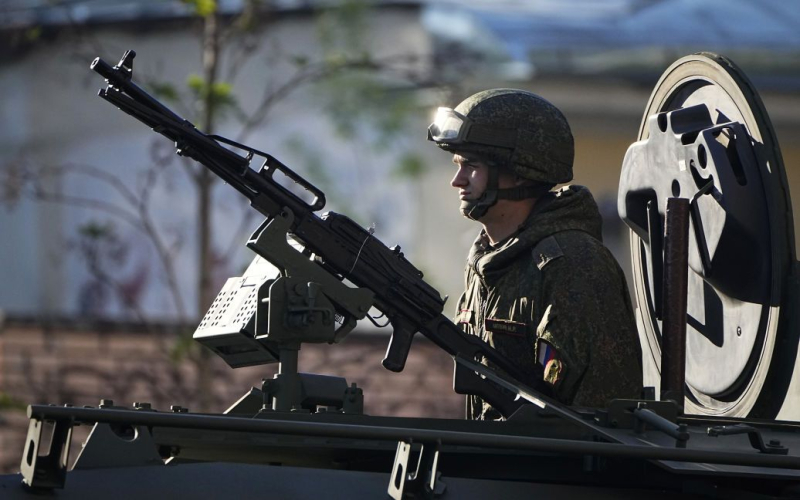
(544, 145)
(554, 300)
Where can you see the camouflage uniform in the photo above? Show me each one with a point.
(554, 288)
(551, 297)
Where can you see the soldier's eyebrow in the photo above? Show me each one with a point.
(465, 163)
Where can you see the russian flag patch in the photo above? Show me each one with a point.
(546, 352)
(554, 368)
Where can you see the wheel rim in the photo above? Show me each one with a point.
(705, 127)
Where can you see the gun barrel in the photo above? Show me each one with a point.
(102, 67)
(346, 249)
(121, 79)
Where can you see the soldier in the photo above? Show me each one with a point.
(540, 286)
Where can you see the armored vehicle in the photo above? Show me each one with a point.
(704, 192)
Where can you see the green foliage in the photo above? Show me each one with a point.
(8, 402)
(183, 347)
(300, 61)
(313, 162)
(366, 109)
(363, 105)
(164, 90)
(219, 95)
(202, 8)
(96, 230)
(250, 16)
(344, 27)
(33, 34)
(196, 83)
(410, 166)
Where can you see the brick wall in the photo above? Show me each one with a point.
(63, 364)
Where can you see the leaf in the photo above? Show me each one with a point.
(196, 83)
(410, 166)
(96, 230)
(182, 347)
(300, 61)
(8, 402)
(222, 90)
(33, 34)
(164, 90)
(222, 97)
(202, 8)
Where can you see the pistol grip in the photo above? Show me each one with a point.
(399, 346)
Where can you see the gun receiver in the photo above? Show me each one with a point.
(342, 247)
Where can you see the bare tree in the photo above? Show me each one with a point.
(228, 42)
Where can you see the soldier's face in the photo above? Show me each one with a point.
(470, 179)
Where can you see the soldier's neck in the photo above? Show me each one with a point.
(505, 218)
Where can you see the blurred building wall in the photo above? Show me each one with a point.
(80, 364)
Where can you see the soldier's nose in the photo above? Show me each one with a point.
(459, 180)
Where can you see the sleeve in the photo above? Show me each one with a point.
(561, 337)
(586, 337)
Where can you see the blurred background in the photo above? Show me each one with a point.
(113, 247)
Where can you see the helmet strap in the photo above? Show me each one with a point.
(476, 209)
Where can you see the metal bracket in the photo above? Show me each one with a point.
(425, 481)
(118, 445)
(293, 391)
(637, 415)
(44, 461)
(645, 417)
(619, 413)
(270, 242)
(756, 440)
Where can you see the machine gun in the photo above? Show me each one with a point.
(630, 449)
(310, 289)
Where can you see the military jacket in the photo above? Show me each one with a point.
(554, 301)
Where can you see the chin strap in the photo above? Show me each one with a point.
(476, 209)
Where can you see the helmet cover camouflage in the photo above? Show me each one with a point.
(544, 148)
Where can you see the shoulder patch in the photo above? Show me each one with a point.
(545, 352)
(546, 251)
(554, 371)
(548, 358)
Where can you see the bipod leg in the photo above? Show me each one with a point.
(46, 466)
(424, 482)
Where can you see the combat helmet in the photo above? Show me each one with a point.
(511, 129)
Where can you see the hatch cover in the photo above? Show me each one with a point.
(706, 136)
